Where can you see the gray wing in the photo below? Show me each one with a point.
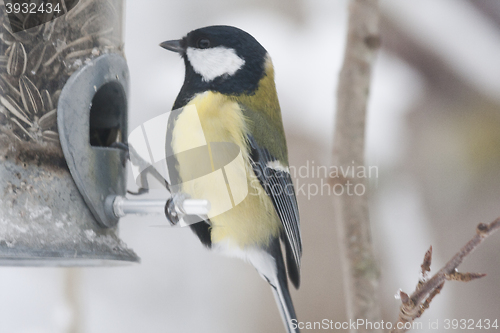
(278, 185)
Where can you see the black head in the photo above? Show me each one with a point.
(219, 58)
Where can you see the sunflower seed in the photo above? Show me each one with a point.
(3, 89)
(79, 54)
(50, 51)
(49, 16)
(80, 43)
(7, 38)
(48, 29)
(15, 121)
(18, 138)
(47, 100)
(9, 84)
(50, 136)
(16, 64)
(106, 41)
(36, 62)
(3, 61)
(48, 120)
(32, 25)
(55, 97)
(35, 129)
(63, 5)
(103, 31)
(30, 95)
(35, 58)
(53, 53)
(16, 22)
(15, 109)
(20, 36)
(7, 51)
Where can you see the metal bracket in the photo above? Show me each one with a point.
(97, 171)
(175, 208)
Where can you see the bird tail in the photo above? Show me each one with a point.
(285, 305)
(281, 292)
(270, 265)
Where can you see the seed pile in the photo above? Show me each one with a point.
(36, 63)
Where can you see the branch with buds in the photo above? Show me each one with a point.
(413, 306)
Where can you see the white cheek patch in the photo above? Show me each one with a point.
(213, 62)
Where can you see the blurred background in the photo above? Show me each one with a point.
(433, 135)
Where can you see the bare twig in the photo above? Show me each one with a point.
(426, 265)
(360, 270)
(429, 299)
(413, 306)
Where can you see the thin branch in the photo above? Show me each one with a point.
(360, 269)
(426, 265)
(413, 306)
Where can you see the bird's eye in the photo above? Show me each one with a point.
(203, 43)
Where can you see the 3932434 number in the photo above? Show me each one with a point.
(31, 8)
(470, 324)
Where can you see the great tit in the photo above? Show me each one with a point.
(229, 80)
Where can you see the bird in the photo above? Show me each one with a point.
(229, 83)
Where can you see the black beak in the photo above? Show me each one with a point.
(173, 45)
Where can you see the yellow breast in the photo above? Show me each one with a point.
(214, 127)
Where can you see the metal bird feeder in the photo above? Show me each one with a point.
(63, 116)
